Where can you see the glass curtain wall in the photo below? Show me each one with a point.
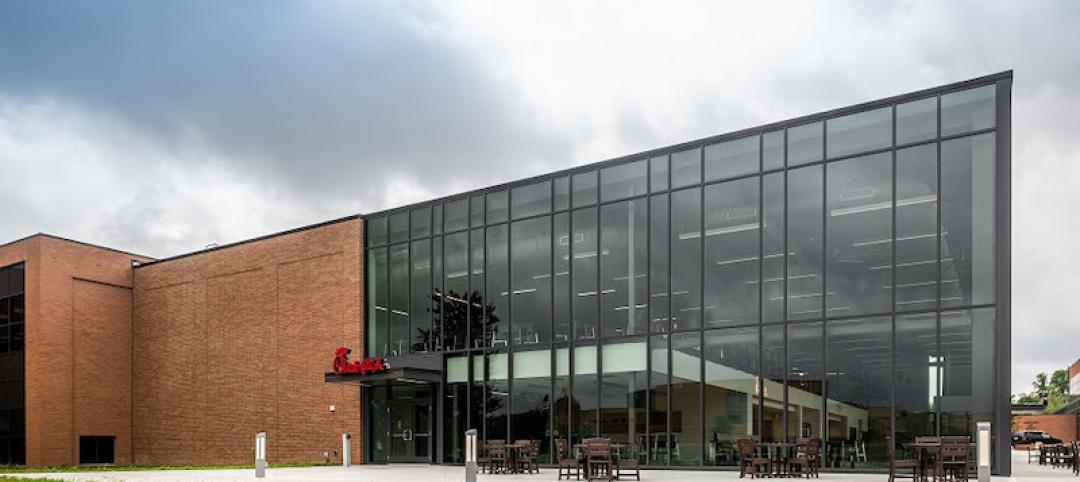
(831, 277)
(12, 359)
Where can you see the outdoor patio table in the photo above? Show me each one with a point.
(776, 452)
(923, 451)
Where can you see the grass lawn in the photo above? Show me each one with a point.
(6, 478)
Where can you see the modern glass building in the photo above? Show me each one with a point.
(843, 275)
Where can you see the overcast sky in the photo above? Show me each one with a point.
(162, 127)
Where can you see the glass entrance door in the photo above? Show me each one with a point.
(410, 428)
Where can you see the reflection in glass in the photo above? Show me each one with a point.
(623, 268)
(685, 398)
(531, 401)
(658, 399)
(658, 174)
(496, 207)
(420, 301)
(421, 222)
(497, 397)
(623, 181)
(967, 111)
(476, 211)
(859, 227)
(586, 396)
(772, 245)
(772, 150)
(624, 388)
(916, 228)
(561, 427)
(731, 370)
(731, 253)
(859, 132)
(530, 245)
(378, 314)
(455, 408)
(561, 316)
(967, 221)
(498, 288)
(804, 260)
(731, 158)
(399, 300)
(859, 364)
(917, 375)
(686, 168)
(916, 121)
(530, 200)
(479, 308)
(772, 385)
(561, 193)
(804, 144)
(686, 259)
(967, 374)
(584, 186)
(436, 219)
(457, 215)
(805, 379)
(659, 301)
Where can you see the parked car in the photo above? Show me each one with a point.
(1028, 437)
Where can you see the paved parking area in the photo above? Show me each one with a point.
(429, 473)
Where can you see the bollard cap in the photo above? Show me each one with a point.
(471, 431)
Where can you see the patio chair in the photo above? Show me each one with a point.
(598, 461)
(804, 463)
(952, 459)
(568, 465)
(498, 458)
(526, 460)
(897, 465)
(626, 462)
(750, 463)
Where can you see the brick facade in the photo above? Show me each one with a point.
(234, 341)
(78, 349)
(1060, 426)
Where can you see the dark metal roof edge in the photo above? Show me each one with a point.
(69, 240)
(252, 240)
(791, 122)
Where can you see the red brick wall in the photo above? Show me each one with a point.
(78, 355)
(1060, 426)
(235, 341)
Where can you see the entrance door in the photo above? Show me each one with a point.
(410, 429)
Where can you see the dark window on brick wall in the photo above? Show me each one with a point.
(97, 449)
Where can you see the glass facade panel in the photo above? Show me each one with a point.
(421, 222)
(859, 371)
(731, 371)
(685, 168)
(586, 393)
(12, 366)
(917, 375)
(531, 399)
(436, 295)
(455, 315)
(860, 132)
(497, 397)
(623, 181)
(421, 300)
(686, 399)
(476, 211)
(659, 296)
(804, 144)
(530, 243)
(561, 427)
(497, 302)
(623, 391)
(399, 227)
(968, 111)
(859, 233)
(584, 273)
(585, 187)
(497, 211)
(772, 384)
(916, 121)
(658, 174)
(482, 319)
(686, 259)
(436, 219)
(457, 215)
(561, 193)
(731, 158)
(916, 228)
(624, 268)
(530, 200)
(805, 379)
(967, 221)
(375, 231)
(659, 381)
(399, 300)
(772, 150)
(731, 253)
(967, 369)
(561, 264)
(378, 312)
(804, 236)
(772, 245)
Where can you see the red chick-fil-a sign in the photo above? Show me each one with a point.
(342, 365)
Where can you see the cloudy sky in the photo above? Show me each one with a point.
(162, 127)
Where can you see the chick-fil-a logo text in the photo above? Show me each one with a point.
(342, 365)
